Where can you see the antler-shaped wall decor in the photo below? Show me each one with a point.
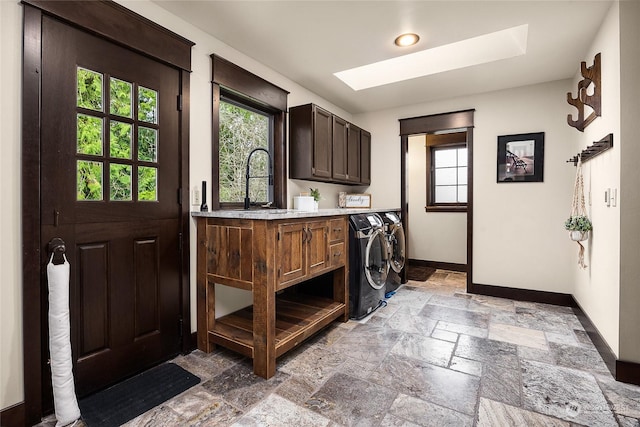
(590, 75)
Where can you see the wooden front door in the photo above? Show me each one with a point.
(110, 178)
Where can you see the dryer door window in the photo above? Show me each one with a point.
(397, 249)
(376, 260)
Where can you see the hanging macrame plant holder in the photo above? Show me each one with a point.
(578, 209)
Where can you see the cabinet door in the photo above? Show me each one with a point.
(340, 136)
(322, 147)
(318, 241)
(291, 252)
(353, 154)
(365, 157)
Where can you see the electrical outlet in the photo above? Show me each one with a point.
(196, 197)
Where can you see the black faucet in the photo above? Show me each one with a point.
(247, 202)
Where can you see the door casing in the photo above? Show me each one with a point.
(115, 23)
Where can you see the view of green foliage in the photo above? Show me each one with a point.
(147, 105)
(89, 180)
(241, 131)
(147, 183)
(89, 89)
(120, 182)
(120, 140)
(90, 173)
(147, 144)
(120, 94)
(89, 133)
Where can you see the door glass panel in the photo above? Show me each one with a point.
(446, 194)
(462, 157)
(120, 140)
(147, 144)
(462, 194)
(89, 177)
(147, 105)
(89, 131)
(445, 158)
(462, 176)
(120, 94)
(446, 176)
(147, 183)
(119, 182)
(89, 84)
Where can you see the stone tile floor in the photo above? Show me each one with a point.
(433, 356)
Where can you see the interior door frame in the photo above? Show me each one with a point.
(428, 124)
(105, 19)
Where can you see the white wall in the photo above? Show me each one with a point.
(597, 288)
(433, 236)
(630, 177)
(11, 385)
(518, 240)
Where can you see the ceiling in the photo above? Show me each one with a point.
(308, 41)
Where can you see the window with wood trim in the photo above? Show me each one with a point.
(447, 172)
(248, 113)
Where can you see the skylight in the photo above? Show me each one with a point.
(478, 50)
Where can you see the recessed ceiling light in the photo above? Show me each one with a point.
(407, 39)
(464, 53)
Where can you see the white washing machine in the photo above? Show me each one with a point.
(368, 264)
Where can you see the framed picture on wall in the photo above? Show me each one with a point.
(521, 157)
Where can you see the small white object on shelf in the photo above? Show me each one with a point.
(305, 203)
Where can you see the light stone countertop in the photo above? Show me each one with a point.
(273, 214)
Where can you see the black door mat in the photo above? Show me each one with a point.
(419, 273)
(128, 399)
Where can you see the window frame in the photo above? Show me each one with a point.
(230, 98)
(435, 142)
(237, 84)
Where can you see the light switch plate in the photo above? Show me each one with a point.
(613, 196)
(196, 197)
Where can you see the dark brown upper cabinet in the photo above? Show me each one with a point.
(327, 148)
(311, 143)
(340, 167)
(353, 154)
(365, 157)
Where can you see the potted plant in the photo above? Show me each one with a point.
(579, 227)
(315, 193)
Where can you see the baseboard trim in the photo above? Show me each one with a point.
(628, 372)
(608, 356)
(545, 297)
(13, 416)
(623, 371)
(438, 265)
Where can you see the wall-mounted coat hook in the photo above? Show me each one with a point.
(593, 150)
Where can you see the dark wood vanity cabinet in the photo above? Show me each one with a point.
(269, 258)
(325, 147)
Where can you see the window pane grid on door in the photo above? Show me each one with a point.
(89, 135)
(89, 89)
(89, 180)
(130, 154)
(121, 99)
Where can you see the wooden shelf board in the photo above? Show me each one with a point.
(297, 318)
